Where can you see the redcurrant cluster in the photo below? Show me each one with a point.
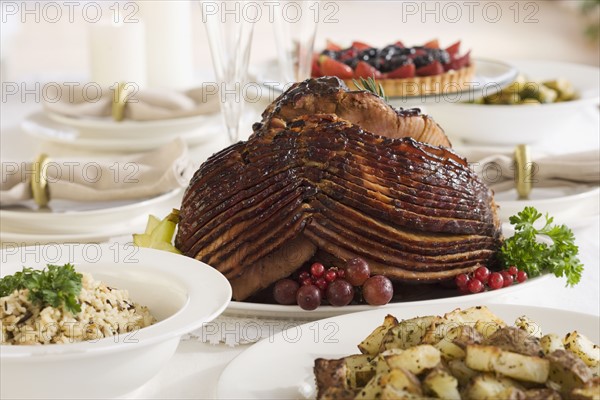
(337, 286)
(482, 277)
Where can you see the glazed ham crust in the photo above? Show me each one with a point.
(258, 210)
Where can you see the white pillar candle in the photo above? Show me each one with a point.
(168, 43)
(118, 53)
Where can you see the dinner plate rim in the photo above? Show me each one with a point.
(578, 210)
(277, 311)
(107, 123)
(88, 225)
(73, 137)
(590, 192)
(135, 204)
(8, 238)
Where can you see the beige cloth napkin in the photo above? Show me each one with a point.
(497, 170)
(123, 178)
(143, 105)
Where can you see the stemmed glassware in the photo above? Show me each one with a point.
(295, 26)
(229, 35)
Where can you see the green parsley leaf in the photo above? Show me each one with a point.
(56, 286)
(526, 253)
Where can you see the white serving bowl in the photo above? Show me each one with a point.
(514, 124)
(182, 293)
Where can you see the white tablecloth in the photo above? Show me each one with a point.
(195, 368)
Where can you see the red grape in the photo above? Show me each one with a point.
(285, 291)
(322, 284)
(461, 280)
(378, 290)
(521, 276)
(308, 297)
(303, 276)
(317, 270)
(357, 271)
(331, 275)
(306, 282)
(340, 273)
(496, 280)
(513, 270)
(508, 278)
(464, 290)
(482, 273)
(340, 293)
(475, 285)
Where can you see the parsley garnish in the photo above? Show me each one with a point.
(523, 251)
(54, 286)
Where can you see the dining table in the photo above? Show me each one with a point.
(194, 371)
(200, 359)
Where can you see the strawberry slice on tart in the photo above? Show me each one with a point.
(405, 71)
(331, 67)
(397, 67)
(365, 70)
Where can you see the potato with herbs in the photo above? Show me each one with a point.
(454, 357)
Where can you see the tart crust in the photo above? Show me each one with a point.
(448, 82)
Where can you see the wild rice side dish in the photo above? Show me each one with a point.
(105, 312)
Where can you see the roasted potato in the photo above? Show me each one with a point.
(583, 348)
(513, 365)
(407, 333)
(568, 371)
(441, 384)
(551, 342)
(415, 359)
(529, 326)
(490, 387)
(372, 343)
(464, 354)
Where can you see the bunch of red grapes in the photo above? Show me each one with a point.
(337, 286)
(482, 277)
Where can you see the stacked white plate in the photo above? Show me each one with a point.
(70, 221)
(104, 134)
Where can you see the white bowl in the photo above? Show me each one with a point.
(182, 293)
(514, 124)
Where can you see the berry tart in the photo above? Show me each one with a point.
(401, 70)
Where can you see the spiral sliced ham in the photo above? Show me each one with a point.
(258, 210)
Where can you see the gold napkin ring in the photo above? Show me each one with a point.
(39, 183)
(119, 102)
(523, 171)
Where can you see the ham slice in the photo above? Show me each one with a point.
(309, 182)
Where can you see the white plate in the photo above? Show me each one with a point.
(277, 311)
(106, 127)
(127, 138)
(567, 204)
(510, 125)
(181, 293)
(69, 217)
(13, 239)
(490, 76)
(281, 366)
